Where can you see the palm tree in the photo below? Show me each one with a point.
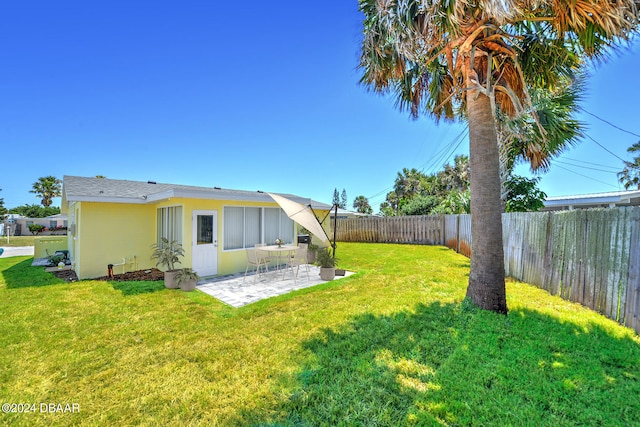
(456, 177)
(478, 60)
(47, 188)
(408, 183)
(520, 139)
(361, 204)
(391, 205)
(630, 175)
(3, 210)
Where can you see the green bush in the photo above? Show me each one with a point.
(325, 259)
(35, 229)
(53, 260)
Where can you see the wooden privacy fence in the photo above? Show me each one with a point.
(587, 256)
(453, 231)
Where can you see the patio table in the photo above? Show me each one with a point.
(280, 252)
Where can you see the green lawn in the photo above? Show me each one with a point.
(15, 241)
(393, 345)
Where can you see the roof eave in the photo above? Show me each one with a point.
(112, 199)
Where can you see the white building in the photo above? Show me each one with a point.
(595, 200)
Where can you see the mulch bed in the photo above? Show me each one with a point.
(151, 275)
(68, 275)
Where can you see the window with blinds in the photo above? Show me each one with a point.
(246, 226)
(169, 224)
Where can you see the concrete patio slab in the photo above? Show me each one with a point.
(237, 291)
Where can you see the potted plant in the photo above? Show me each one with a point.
(327, 264)
(186, 278)
(55, 259)
(168, 254)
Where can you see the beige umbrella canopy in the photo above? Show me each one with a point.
(302, 215)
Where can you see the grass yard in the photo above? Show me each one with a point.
(15, 241)
(393, 345)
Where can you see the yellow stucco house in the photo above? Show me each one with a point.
(116, 222)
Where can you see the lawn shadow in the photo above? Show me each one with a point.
(453, 364)
(24, 275)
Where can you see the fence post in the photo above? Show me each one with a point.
(632, 301)
(458, 233)
(548, 255)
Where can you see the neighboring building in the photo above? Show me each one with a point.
(595, 200)
(116, 222)
(343, 213)
(19, 225)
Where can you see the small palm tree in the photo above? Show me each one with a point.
(478, 60)
(167, 253)
(47, 188)
(3, 210)
(630, 175)
(361, 204)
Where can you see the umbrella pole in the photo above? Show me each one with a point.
(335, 228)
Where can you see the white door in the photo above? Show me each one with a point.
(205, 242)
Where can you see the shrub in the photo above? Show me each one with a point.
(35, 229)
(53, 260)
(325, 259)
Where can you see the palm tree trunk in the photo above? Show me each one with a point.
(487, 278)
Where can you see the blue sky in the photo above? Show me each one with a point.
(246, 95)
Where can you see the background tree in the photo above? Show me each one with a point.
(478, 60)
(418, 194)
(35, 211)
(47, 188)
(454, 203)
(361, 204)
(343, 199)
(456, 176)
(630, 175)
(523, 195)
(408, 184)
(420, 205)
(336, 197)
(391, 206)
(3, 210)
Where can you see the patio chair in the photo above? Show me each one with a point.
(304, 247)
(255, 259)
(264, 254)
(296, 261)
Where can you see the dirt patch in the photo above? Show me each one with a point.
(148, 275)
(68, 275)
(152, 274)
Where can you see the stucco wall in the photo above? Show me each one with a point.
(108, 232)
(105, 233)
(45, 246)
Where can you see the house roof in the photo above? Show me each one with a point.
(613, 198)
(343, 213)
(56, 216)
(86, 189)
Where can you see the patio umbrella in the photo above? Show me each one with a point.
(302, 215)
